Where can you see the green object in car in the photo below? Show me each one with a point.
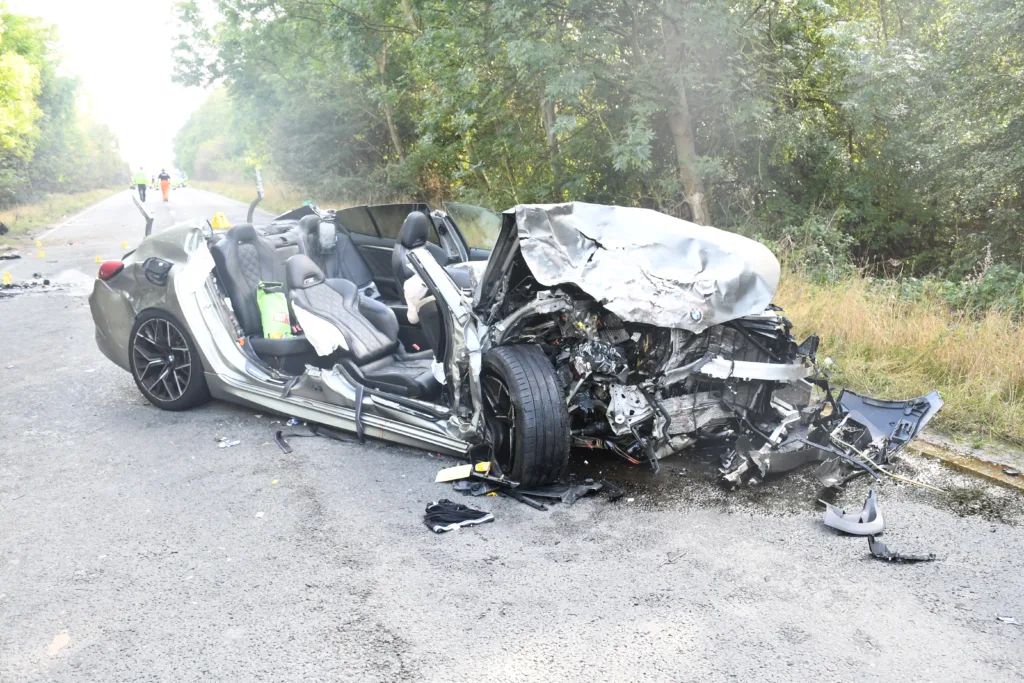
(273, 304)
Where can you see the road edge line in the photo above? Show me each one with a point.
(77, 215)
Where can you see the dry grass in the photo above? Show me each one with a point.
(898, 349)
(278, 198)
(23, 219)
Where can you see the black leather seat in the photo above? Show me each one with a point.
(415, 233)
(364, 331)
(331, 247)
(243, 260)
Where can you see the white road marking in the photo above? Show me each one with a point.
(67, 221)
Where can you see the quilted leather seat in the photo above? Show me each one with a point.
(243, 260)
(332, 249)
(362, 331)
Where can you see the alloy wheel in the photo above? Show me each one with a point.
(162, 362)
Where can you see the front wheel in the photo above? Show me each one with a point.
(525, 403)
(165, 364)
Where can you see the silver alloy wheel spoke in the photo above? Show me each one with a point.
(162, 362)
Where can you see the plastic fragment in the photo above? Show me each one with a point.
(879, 550)
(868, 522)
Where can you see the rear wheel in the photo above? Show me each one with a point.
(165, 364)
(527, 409)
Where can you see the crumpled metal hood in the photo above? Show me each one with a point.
(645, 266)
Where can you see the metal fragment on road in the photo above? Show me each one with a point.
(879, 550)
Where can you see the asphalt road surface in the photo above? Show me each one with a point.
(133, 548)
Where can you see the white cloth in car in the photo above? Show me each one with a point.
(324, 336)
(415, 290)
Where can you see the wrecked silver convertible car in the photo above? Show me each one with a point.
(589, 326)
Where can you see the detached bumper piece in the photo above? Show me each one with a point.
(868, 522)
(879, 550)
(847, 437)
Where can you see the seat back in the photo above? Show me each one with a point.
(332, 249)
(415, 233)
(244, 259)
(365, 328)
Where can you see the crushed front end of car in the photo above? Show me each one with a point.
(663, 336)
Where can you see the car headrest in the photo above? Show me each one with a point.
(307, 224)
(243, 232)
(327, 234)
(415, 230)
(301, 272)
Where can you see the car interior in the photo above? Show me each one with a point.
(327, 275)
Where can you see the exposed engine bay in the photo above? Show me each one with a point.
(646, 392)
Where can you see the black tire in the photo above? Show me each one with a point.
(173, 377)
(536, 438)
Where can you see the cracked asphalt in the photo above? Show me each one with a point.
(133, 548)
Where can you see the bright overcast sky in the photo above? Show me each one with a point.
(121, 50)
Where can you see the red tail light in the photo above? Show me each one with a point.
(109, 269)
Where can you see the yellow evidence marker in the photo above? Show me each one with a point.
(220, 222)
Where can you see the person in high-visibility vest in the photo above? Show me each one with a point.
(140, 180)
(165, 183)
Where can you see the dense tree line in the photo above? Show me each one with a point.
(892, 130)
(46, 145)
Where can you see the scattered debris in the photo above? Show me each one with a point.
(293, 421)
(671, 558)
(474, 487)
(59, 642)
(461, 472)
(571, 492)
(525, 500)
(280, 436)
(259, 514)
(1008, 619)
(868, 522)
(879, 550)
(225, 442)
(444, 515)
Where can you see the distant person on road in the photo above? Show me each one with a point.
(140, 180)
(165, 183)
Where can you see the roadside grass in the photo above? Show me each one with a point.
(278, 198)
(893, 348)
(23, 219)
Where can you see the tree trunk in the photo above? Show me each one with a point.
(682, 126)
(547, 108)
(410, 18)
(686, 158)
(389, 116)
